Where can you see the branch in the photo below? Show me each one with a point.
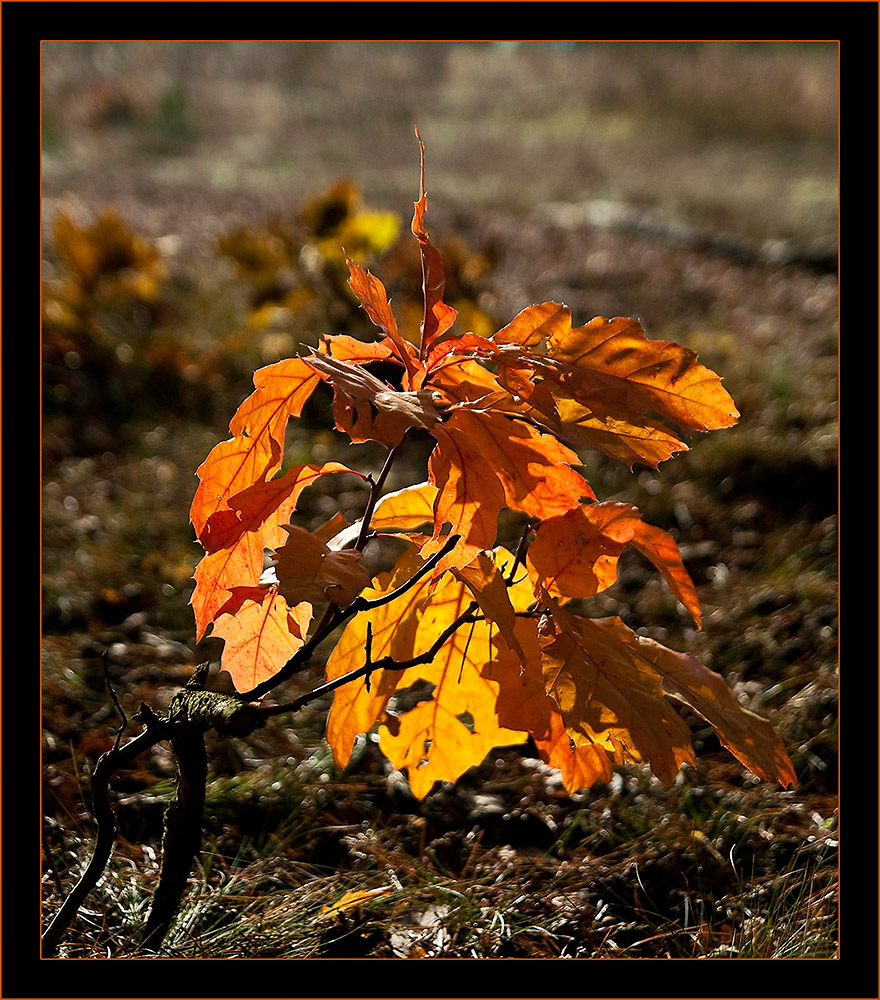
(385, 663)
(375, 493)
(339, 617)
(108, 763)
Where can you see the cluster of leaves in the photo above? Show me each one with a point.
(491, 634)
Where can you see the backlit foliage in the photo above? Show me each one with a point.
(492, 631)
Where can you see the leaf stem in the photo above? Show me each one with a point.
(385, 663)
(301, 657)
(375, 493)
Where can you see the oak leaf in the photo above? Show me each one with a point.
(357, 707)
(486, 461)
(405, 509)
(260, 632)
(308, 570)
(255, 450)
(574, 555)
(367, 409)
(374, 299)
(611, 698)
(439, 316)
(610, 685)
(234, 537)
(659, 547)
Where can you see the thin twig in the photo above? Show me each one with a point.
(105, 657)
(375, 493)
(340, 616)
(385, 663)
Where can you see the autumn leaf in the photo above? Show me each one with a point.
(751, 739)
(343, 348)
(574, 555)
(356, 707)
(610, 685)
(308, 570)
(439, 316)
(484, 462)
(443, 736)
(235, 537)
(255, 450)
(611, 698)
(524, 703)
(405, 509)
(611, 366)
(374, 299)
(659, 547)
(367, 409)
(647, 442)
(260, 632)
(485, 580)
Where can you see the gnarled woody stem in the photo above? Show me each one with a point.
(193, 712)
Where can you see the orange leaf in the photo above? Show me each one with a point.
(609, 684)
(611, 363)
(308, 570)
(575, 554)
(439, 316)
(344, 348)
(611, 698)
(405, 509)
(647, 441)
(356, 709)
(659, 546)
(534, 325)
(374, 299)
(751, 739)
(255, 450)
(580, 762)
(236, 536)
(260, 632)
(485, 579)
(485, 461)
(454, 730)
(524, 704)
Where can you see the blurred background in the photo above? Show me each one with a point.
(197, 197)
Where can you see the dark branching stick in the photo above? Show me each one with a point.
(193, 711)
(340, 616)
(108, 763)
(385, 663)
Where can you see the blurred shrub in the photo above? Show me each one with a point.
(101, 269)
(129, 333)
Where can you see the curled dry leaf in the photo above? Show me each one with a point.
(308, 570)
(368, 409)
